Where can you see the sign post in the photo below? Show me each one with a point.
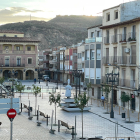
(11, 113)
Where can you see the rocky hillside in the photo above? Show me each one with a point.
(62, 30)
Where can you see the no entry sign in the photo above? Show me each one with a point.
(11, 113)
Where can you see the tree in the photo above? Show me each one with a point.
(56, 100)
(36, 90)
(20, 88)
(88, 85)
(1, 82)
(126, 98)
(106, 88)
(81, 102)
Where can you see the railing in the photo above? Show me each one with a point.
(106, 80)
(52, 61)
(114, 39)
(106, 40)
(45, 60)
(122, 60)
(127, 83)
(132, 36)
(94, 39)
(122, 38)
(18, 52)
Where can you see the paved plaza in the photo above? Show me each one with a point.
(96, 123)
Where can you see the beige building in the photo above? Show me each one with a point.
(121, 47)
(19, 53)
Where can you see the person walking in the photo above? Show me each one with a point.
(103, 99)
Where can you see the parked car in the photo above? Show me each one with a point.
(47, 78)
(44, 76)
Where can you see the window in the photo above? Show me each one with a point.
(116, 14)
(6, 47)
(98, 34)
(98, 54)
(28, 48)
(29, 61)
(107, 34)
(71, 57)
(92, 54)
(18, 61)
(108, 17)
(15, 35)
(106, 70)
(17, 48)
(7, 62)
(92, 34)
(87, 55)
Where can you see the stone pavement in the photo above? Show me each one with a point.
(24, 129)
(96, 123)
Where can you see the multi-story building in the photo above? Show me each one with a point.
(81, 60)
(19, 53)
(53, 64)
(93, 49)
(121, 47)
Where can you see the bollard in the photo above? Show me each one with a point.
(28, 95)
(73, 133)
(119, 110)
(29, 109)
(138, 116)
(47, 120)
(58, 125)
(37, 115)
(98, 103)
(21, 107)
(42, 95)
(110, 107)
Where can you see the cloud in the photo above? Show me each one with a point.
(15, 14)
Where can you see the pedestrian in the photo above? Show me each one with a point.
(102, 98)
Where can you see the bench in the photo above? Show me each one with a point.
(45, 116)
(66, 125)
(25, 106)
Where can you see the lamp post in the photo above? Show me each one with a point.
(39, 74)
(77, 73)
(111, 77)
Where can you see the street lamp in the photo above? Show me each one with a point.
(111, 77)
(39, 74)
(77, 73)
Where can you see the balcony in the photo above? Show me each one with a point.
(124, 38)
(52, 61)
(46, 60)
(104, 80)
(106, 40)
(114, 39)
(119, 60)
(74, 54)
(19, 52)
(52, 69)
(14, 65)
(94, 39)
(127, 83)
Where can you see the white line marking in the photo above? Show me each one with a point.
(12, 113)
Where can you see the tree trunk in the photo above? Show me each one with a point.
(35, 103)
(82, 124)
(55, 113)
(128, 111)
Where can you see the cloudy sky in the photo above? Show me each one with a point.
(20, 10)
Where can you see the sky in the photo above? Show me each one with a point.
(12, 11)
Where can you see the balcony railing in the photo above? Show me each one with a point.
(120, 60)
(114, 39)
(131, 36)
(19, 52)
(52, 61)
(123, 38)
(106, 40)
(127, 83)
(106, 80)
(94, 39)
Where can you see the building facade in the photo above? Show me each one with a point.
(93, 50)
(121, 50)
(19, 53)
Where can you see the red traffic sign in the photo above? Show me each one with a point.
(11, 113)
